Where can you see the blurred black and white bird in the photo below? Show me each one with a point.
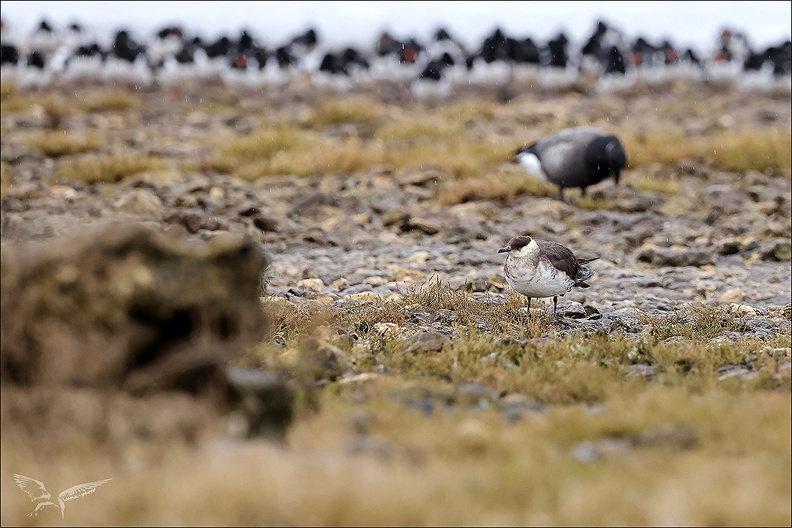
(541, 269)
(574, 157)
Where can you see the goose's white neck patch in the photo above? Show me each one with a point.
(532, 165)
(526, 250)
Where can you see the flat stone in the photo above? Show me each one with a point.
(140, 201)
(427, 341)
(733, 295)
(310, 284)
(265, 400)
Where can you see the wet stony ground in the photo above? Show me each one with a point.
(711, 236)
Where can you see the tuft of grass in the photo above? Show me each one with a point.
(251, 156)
(668, 185)
(460, 158)
(290, 152)
(56, 110)
(7, 90)
(403, 143)
(221, 104)
(338, 111)
(419, 129)
(502, 186)
(6, 180)
(348, 156)
(461, 467)
(265, 144)
(697, 321)
(681, 108)
(458, 309)
(751, 150)
(664, 147)
(110, 101)
(105, 168)
(733, 151)
(55, 144)
(288, 321)
(285, 149)
(13, 100)
(470, 109)
(592, 203)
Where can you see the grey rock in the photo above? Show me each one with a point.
(728, 246)
(140, 201)
(677, 437)
(739, 372)
(474, 395)
(264, 222)
(263, 398)
(644, 370)
(779, 251)
(572, 309)
(608, 447)
(319, 360)
(395, 216)
(192, 220)
(139, 329)
(361, 421)
(422, 177)
(427, 341)
(676, 257)
(380, 448)
(312, 202)
(423, 225)
(518, 406)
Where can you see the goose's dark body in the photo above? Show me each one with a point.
(574, 157)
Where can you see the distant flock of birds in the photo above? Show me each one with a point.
(433, 66)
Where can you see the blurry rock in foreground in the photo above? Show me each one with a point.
(132, 308)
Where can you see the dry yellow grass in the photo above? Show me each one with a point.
(266, 143)
(437, 138)
(12, 100)
(56, 110)
(730, 151)
(53, 106)
(226, 102)
(502, 186)
(59, 143)
(685, 459)
(594, 203)
(289, 151)
(752, 150)
(667, 185)
(110, 101)
(336, 111)
(460, 158)
(5, 178)
(421, 129)
(105, 168)
(469, 109)
(285, 149)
